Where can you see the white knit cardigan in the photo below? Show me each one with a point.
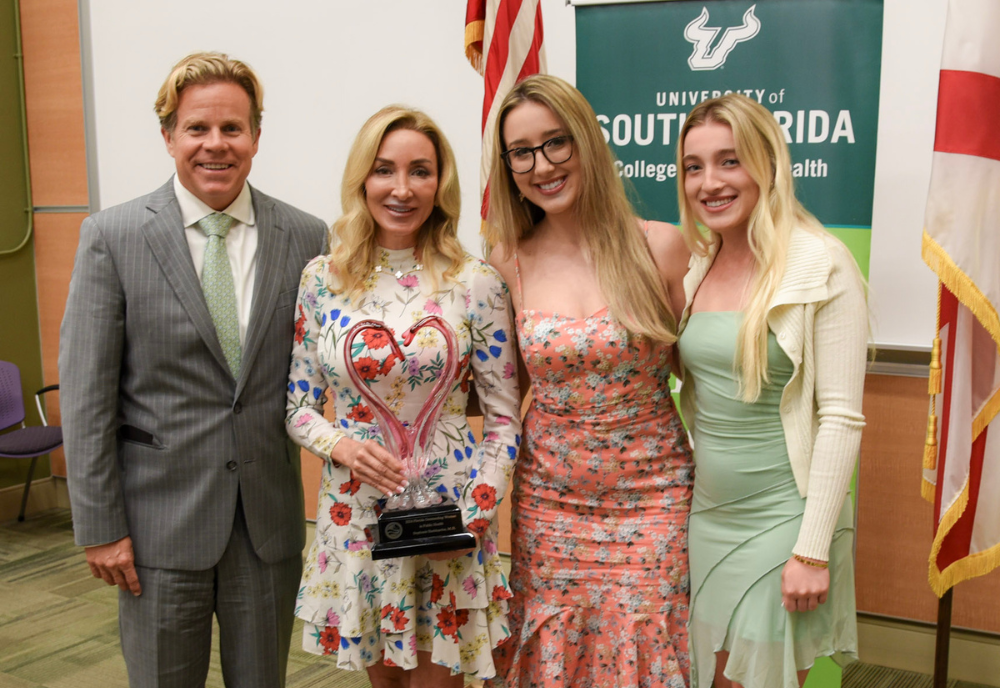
(820, 318)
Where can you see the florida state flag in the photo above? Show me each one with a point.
(961, 243)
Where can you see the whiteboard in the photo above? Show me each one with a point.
(327, 65)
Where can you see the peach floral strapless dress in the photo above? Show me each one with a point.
(601, 495)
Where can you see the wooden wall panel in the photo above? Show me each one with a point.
(50, 36)
(895, 524)
(312, 475)
(56, 237)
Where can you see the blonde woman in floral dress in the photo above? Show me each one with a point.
(422, 620)
(602, 488)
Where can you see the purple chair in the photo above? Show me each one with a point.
(26, 442)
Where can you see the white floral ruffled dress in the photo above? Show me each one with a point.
(365, 611)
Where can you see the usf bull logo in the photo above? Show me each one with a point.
(704, 57)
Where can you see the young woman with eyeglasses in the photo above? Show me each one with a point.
(602, 486)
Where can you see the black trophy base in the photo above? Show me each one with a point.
(408, 532)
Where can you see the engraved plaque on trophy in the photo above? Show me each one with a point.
(420, 520)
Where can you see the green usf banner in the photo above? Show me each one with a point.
(814, 63)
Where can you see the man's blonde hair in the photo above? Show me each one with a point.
(208, 68)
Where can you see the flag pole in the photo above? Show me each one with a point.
(943, 638)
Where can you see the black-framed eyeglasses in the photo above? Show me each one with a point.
(556, 150)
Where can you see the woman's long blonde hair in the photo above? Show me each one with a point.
(626, 273)
(355, 250)
(763, 153)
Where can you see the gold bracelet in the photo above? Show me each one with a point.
(809, 562)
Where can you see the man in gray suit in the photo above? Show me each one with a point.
(173, 360)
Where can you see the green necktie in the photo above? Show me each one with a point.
(217, 283)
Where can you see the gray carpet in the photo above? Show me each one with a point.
(860, 675)
(59, 625)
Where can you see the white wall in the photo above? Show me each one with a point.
(328, 64)
(903, 288)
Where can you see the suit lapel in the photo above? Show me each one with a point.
(272, 251)
(165, 235)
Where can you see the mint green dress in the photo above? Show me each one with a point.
(745, 518)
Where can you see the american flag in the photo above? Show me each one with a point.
(503, 41)
(961, 244)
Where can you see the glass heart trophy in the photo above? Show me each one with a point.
(420, 520)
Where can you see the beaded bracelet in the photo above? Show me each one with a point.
(809, 562)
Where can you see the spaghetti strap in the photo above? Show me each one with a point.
(517, 271)
(645, 228)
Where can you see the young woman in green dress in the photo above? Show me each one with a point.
(773, 346)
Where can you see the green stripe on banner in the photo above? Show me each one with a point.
(859, 241)
(824, 674)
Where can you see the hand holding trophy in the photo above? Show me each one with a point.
(419, 520)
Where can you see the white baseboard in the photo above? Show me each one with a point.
(973, 657)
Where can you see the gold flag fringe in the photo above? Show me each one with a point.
(986, 414)
(934, 375)
(933, 389)
(978, 564)
(961, 285)
(474, 33)
(927, 490)
(966, 291)
(930, 442)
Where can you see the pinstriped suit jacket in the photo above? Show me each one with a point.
(159, 437)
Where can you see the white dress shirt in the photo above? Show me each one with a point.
(241, 244)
